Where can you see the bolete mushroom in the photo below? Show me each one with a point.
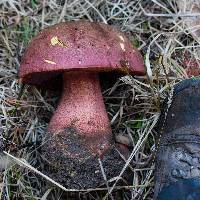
(79, 131)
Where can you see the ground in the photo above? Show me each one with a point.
(133, 103)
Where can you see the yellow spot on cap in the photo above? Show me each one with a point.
(121, 38)
(50, 62)
(56, 41)
(122, 46)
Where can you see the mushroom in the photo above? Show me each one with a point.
(79, 131)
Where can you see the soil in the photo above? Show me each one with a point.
(70, 163)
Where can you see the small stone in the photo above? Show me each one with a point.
(195, 160)
(178, 173)
(195, 172)
(174, 172)
(192, 148)
(187, 158)
(123, 139)
(182, 173)
(179, 155)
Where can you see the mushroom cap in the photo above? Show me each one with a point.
(81, 45)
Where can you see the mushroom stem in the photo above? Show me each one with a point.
(82, 109)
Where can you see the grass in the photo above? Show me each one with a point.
(133, 103)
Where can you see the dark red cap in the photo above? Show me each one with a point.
(81, 45)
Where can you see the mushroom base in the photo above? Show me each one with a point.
(82, 111)
(74, 166)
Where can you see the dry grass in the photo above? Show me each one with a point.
(133, 103)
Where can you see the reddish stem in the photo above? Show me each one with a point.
(81, 107)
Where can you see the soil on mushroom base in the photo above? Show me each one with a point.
(74, 172)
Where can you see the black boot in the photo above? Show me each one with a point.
(178, 144)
